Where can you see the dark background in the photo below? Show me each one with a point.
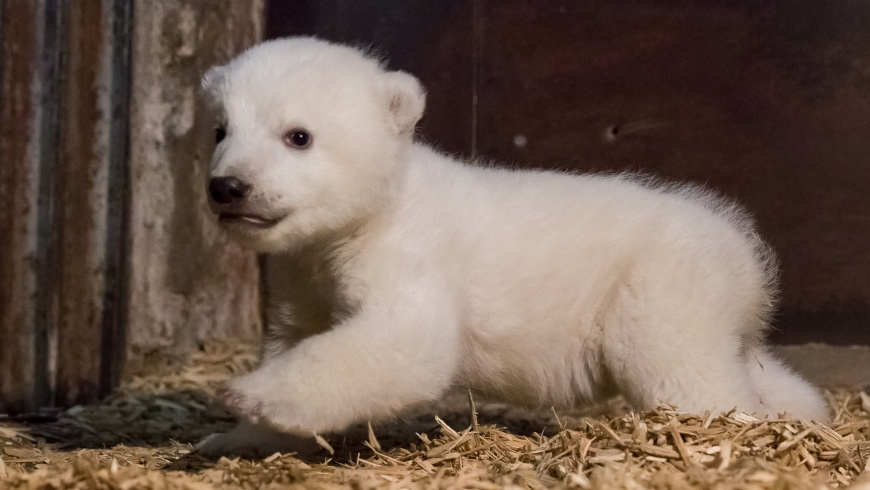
(767, 102)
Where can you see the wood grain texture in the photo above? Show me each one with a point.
(92, 126)
(187, 281)
(62, 334)
(19, 194)
(99, 236)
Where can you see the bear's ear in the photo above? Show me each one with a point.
(212, 82)
(406, 100)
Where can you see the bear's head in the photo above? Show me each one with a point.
(309, 140)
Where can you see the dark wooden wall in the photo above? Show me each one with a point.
(768, 102)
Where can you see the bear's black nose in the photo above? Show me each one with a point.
(224, 190)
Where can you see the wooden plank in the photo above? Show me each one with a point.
(89, 216)
(116, 288)
(58, 307)
(187, 281)
(18, 221)
(81, 187)
(28, 63)
(767, 104)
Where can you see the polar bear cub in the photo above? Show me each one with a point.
(399, 273)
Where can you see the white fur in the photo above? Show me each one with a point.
(399, 273)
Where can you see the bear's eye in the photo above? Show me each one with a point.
(297, 138)
(220, 133)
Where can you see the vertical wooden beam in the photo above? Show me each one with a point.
(116, 292)
(46, 302)
(188, 282)
(63, 137)
(90, 204)
(28, 63)
(81, 186)
(19, 183)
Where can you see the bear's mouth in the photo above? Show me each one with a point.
(247, 219)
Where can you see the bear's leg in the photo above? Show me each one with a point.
(782, 390)
(384, 359)
(661, 348)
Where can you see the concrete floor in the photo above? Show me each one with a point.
(829, 366)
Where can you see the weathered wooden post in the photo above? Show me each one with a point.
(105, 242)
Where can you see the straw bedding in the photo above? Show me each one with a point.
(140, 438)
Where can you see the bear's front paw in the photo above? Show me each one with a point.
(241, 403)
(250, 397)
(257, 398)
